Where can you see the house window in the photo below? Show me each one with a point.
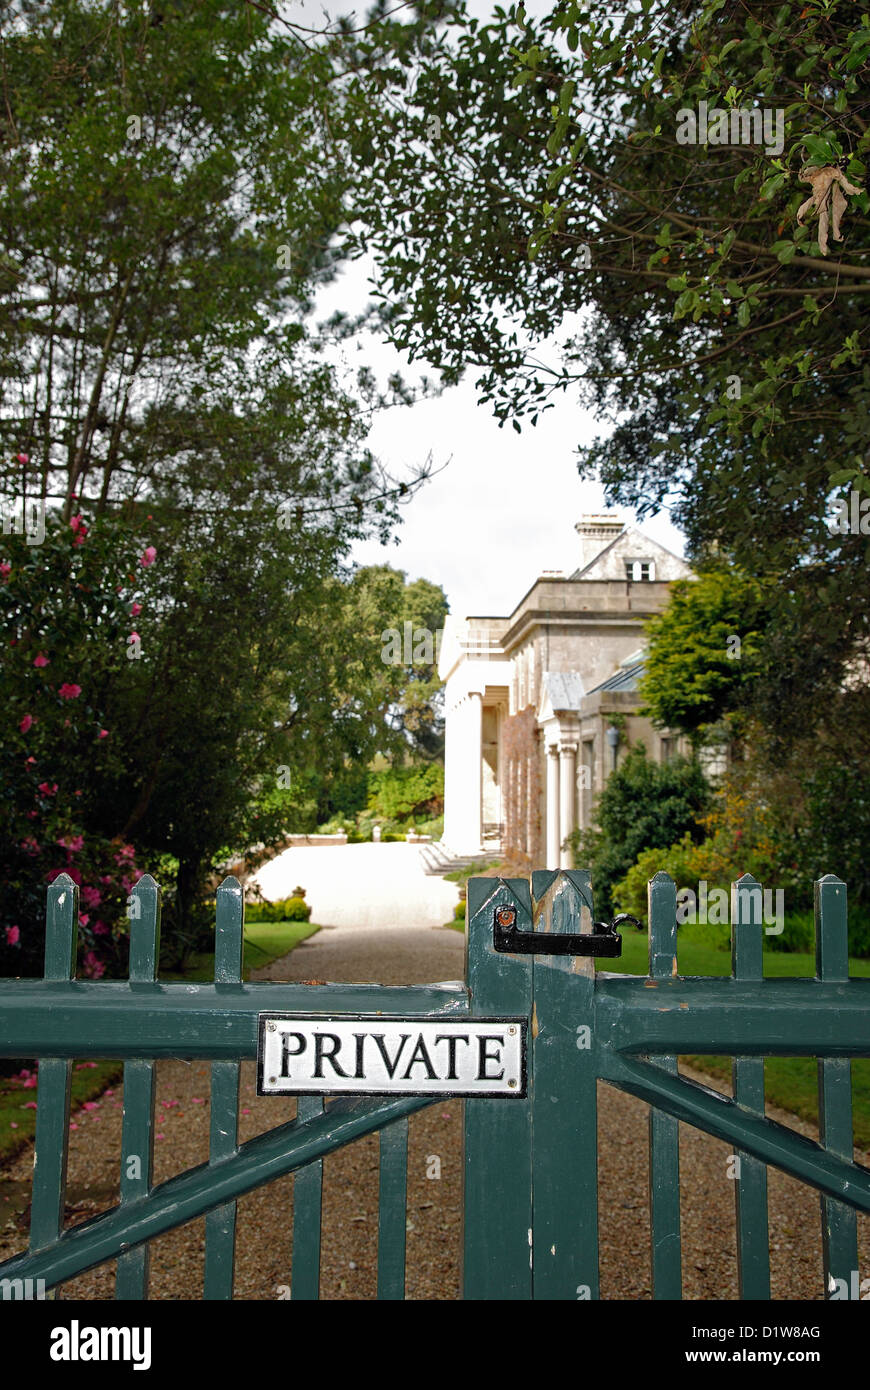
(640, 571)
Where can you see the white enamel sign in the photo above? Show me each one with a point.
(375, 1055)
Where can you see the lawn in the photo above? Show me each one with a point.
(264, 942)
(790, 1082)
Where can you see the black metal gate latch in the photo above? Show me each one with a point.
(603, 940)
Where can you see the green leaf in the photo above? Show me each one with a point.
(771, 185)
(743, 314)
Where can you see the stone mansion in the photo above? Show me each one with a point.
(541, 705)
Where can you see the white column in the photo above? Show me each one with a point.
(475, 772)
(452, 793)
(567, 790)
(553, 840)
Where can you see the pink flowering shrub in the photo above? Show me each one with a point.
(64, 614)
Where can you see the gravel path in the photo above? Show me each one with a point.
(409, 956)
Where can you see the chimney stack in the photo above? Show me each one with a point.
(596, 532)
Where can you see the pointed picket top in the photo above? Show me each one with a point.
(493, 892)
(746, 929)
(229, 932)
(144, 913)
(662, 902)
(61, 928)
(562, 901)
(830, 900)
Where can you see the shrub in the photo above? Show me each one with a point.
(407, 793)
(459, 911)
(644, 804)
(282, 910)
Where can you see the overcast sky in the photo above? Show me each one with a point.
(504, 508)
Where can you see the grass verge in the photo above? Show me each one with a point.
(790, 1082)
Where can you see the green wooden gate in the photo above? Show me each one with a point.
(530, 1162)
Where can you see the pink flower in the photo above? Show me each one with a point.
(104, 733)
(149, 557)
(26, 723)
(73, 843)
(69, 692)
(29, 1105)
(106, 879)
(134, 637)
(93, 967)
(73, 1125)
(91, 1105)
(80, 538)
(5, 570)
(91, 897)
(126, 884)
(84, 918)
(30, 1084)
(13, 935)
(40, 660)
(30, 845)
(23, 458)
(75, 522)
(108, 1093)
(100, 929)
(135, 610)
(46, 789)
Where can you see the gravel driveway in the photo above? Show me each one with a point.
(403, 954)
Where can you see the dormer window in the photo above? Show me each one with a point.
(640, 571)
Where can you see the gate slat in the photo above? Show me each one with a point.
(497, 1195)
(137, 1136)
(54, 1075)
(664, 1130)
(220, 1224)
(393, 1210)
(750, 1185)
(839, 1221)
(564, 1091)
(307, 1212)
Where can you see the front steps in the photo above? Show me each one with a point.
(438, 858)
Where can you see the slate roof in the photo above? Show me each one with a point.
(626, 678)
(564, 689)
